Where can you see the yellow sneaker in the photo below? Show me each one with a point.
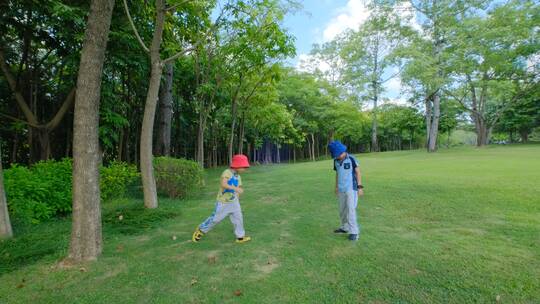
(243, 239)
(197, 235)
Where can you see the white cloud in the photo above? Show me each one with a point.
(309, 63)
(352, 16)
(400, 101)
(393, 85)
(348, 17)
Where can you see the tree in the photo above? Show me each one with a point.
(522, 117)
(494, 63)
(430, 50)
(254, 37)
(156, 63)
(39, 67)
(163, 146)
(86, 240)
(367, 56)
(5, 224)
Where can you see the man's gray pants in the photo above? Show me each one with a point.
(348, 201)
(221, 211)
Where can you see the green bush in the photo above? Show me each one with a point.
(116, 178)
(43, 190)
(177, 178)
(39, 192)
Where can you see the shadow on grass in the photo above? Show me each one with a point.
(50, 239)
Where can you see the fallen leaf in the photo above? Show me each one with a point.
(82, 269)
(237, 292)
(194, 281)
(212, 259)
(20, 286)
(119, 248)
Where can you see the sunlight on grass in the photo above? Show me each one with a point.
(459, 226)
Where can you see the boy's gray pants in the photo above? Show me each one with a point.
(221, 211)
(348, 201)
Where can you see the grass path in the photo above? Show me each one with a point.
(459, 226)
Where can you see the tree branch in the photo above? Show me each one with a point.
(22, 121)
(175, 56)
(18, 96)
(173, 7)
(145, 48)
(55, 121)
(460, 101)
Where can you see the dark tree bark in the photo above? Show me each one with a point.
(86, 239)
(166, 106)
(5, 224)
(241, 134)
(268, 152)
(200, 137)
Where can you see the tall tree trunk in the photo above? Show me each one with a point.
(309, 147)
(241, 134)
(524, 134)
(86, 239)
(200, 137)
(278, 156)
(429, 109)
(44, 144)
(165, 106)
(5, 224)
(438, 45)
(434, 129)
(147, 130)
(374, 142)
(482, 131)
(268, 152)
(15, 148)
(312, 147)
(233, 127)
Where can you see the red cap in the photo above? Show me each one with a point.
(239, 161)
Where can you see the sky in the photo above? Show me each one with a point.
(321, 20)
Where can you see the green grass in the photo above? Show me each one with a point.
(458, 226)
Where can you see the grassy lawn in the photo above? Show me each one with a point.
(458, 226)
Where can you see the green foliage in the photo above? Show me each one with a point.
(116, 178)
(42, 191)
(176, 177)
(39, 192)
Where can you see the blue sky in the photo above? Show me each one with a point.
(321, 20)
(307, 25)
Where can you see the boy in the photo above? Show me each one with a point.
(348, 188)
(227, 203)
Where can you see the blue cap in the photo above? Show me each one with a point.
(336, 148)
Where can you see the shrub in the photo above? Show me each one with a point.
(39, 192)
(116, 178)
(43, 190)
(177, 178)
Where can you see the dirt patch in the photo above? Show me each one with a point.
(144, 238)
(118, 269)
(213, 256)
(181, 256)
(270, 265)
